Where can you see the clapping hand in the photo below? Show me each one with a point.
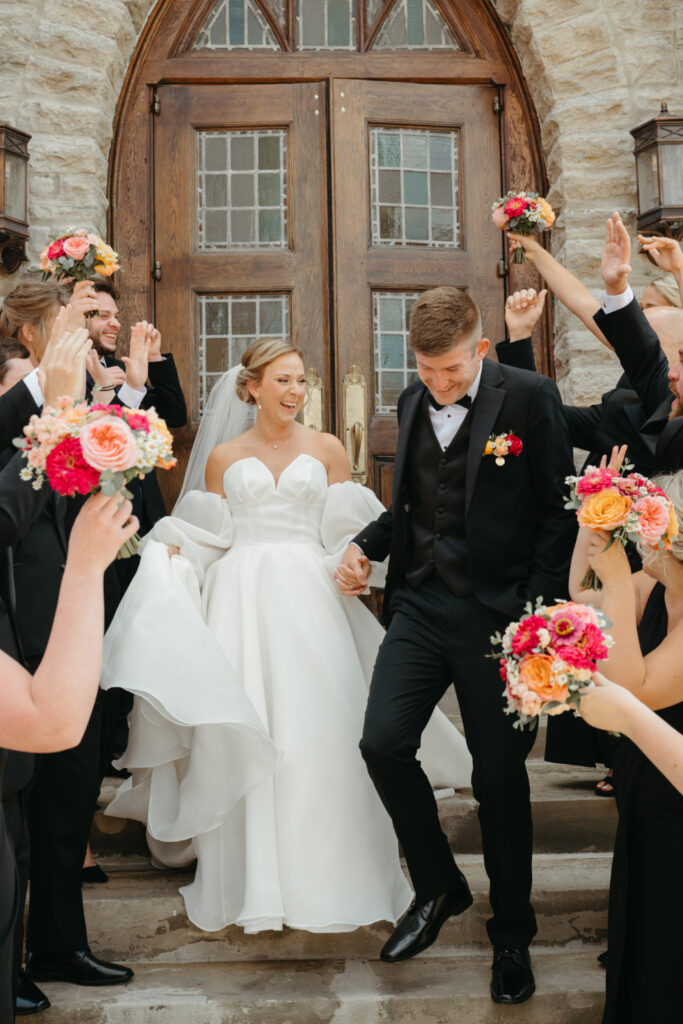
(615, 266)
(137, 360)
(666, 252)
(352, 572)
(108, 378)
(154, 350)
(62, 369)
(522, 311)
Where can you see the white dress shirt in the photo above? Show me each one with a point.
(612, 303)
(446, 422)
(128, 395)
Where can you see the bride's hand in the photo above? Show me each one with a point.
(173, 549)
(352, 572)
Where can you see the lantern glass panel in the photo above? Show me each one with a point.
(672, 174)
(15, 187)
(648, 180)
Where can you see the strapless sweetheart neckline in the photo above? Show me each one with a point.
(276, 480)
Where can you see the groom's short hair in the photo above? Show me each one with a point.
(443, 318)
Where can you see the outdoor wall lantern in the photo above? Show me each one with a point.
(659, 167)
(13, 198)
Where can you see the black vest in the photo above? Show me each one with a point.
(437, 491)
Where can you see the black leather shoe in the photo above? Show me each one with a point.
(94, 874)
(421, 925)
(29, 997)
(512, 979)
(80, 968)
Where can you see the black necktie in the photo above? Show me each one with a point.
(465, 401)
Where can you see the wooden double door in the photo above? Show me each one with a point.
(321, 210)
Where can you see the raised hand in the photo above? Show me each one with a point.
(83, 300)
(352, 572)
(108, 378)
(522, 311)
(62, 369)
(154, 350)
(530, 245)
(137, 360)
(615, 266)
(607, 558)
(666, 252)
(616, 459)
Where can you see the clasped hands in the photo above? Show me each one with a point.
(352, 572)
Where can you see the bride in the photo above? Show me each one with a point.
(250, 673)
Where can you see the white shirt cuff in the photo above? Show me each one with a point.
(130, 397)
(612, 303)
(33, 384)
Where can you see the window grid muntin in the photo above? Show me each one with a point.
(436, 34)
(406, 166)
(235, 339)
(220, 24)
(235, 179)
(326, 45)
(392, 332)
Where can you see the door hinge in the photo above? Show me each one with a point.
(156, 270)
(501, 269)
(156, 103)
(498, 105)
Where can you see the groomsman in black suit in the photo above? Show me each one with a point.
(471, 538)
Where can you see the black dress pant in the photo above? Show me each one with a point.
(436, 638)
(16, 818)
(63, 802)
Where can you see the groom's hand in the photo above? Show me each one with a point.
(352, 572)
(522, 311)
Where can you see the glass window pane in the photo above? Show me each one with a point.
(239, 205)
(235, 25)
(424, 175)
(326, 24)
(394, 361)
(227, 325)
(415, 25)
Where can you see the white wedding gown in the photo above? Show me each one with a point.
(250, 673)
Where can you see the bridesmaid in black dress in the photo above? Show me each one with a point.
(8, 912)
(646, 890)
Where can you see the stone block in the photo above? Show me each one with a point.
(79, 46)
(93, 120)
(587, 32)
(46, 75)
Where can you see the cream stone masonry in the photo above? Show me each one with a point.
(595, 68)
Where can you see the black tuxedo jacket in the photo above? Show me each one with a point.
(519, 534)
(636, 410)
(166, 395)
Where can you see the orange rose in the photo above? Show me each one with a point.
(672, 528)
(606, 510)
(536, 674)
(108, 443)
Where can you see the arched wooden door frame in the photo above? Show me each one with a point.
(164, 57)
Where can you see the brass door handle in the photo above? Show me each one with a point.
(356, 442)
(314, 410)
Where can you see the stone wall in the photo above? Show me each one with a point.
(595, 68)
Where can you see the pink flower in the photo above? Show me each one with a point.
(76, 247)
(67, 470)
(500, 218)
(653, 519)
(55, 250)
(526, 637)
(515, 444)
(565, 627)
(516, 206)
(594, 481)
(108, 443)
(137, 421)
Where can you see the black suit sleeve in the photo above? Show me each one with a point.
(16, 408)
(582, 423)
(516, 353)
(551, 462)
(20, 504)
(639, 352)
(166, 394)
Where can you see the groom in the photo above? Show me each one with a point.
(470, 537)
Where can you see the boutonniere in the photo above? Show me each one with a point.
(502, 445)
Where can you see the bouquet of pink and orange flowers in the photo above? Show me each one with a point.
(549, 656)
(77, 256)
(82, 448)
(628, 507)
(524, 213)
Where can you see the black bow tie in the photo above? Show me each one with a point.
(465, 401)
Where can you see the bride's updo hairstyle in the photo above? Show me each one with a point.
(257, 357)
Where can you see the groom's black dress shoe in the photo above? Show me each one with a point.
(80, 968)
(512, 979)
(29, 997)
(422, 924)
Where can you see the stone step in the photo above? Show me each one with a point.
(139, 916)
(568, 817)
(570, 990)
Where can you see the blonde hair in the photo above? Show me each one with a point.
(668, 288)
(260, 354)
(672, 485)
(30, 303)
